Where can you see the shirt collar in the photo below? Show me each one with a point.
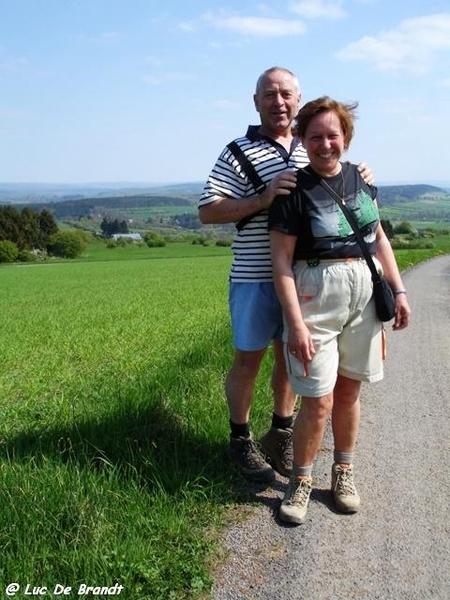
(254, 135)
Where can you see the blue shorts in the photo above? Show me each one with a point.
(256, 315)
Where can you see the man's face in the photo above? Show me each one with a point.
(277, 102)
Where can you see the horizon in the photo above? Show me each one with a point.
(148, 184)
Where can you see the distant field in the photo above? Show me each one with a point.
(434, 210)
(99, 251)
(143, 213)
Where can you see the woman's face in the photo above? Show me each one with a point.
(324, 143)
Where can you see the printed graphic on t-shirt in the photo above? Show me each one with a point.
(333, 223)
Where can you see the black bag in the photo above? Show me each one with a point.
(384, 299)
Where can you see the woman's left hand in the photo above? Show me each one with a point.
(402, 313)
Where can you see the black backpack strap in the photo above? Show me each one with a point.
(251, 173)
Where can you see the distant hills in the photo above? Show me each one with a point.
(71, 202)
(32, 193)
(391, 194)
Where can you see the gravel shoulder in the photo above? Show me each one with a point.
(398, 545)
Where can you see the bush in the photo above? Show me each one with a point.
(154, 240)
(399, 243)
(405, 227)
(26, 255)
(66, 244)
(8, 251)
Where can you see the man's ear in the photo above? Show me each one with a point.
(255, 100)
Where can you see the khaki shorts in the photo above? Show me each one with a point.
(337, 306)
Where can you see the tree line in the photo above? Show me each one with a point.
(26, 234)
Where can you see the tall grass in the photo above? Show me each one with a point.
(113, 423)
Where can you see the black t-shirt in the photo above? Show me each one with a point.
(313, 215)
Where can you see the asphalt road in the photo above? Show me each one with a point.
(398, 546)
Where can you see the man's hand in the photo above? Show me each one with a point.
(366, 173)
(281, 185)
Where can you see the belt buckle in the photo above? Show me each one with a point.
(313, 262)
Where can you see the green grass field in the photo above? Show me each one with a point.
(114, 426)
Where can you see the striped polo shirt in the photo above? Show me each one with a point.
(251, 245)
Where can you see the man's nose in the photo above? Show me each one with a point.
(278, 99)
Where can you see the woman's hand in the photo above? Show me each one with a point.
(300, 344)
(402, 312)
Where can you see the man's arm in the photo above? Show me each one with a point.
(231, 210)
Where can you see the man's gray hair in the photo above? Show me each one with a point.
(267, 72)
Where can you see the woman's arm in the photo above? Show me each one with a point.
(299, 338)
(386, 256)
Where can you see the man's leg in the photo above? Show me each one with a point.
(345, 423)
(240, 384)
(239, 388)
(283, 396)
(277, 442)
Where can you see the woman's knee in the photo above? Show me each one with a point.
(318, 408)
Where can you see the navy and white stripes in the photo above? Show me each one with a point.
(251, 246)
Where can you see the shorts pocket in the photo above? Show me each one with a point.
(307, 292)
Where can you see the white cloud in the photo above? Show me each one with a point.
(13, 113)
(412, 47)
(104, 37)
(154, 61)
(187, 26)
(15, 65)
(108, 36)
(257, 26)
(313, 9)
(227, 104)
(168, 78)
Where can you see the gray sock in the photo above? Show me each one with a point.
(344, 457)
(302, 471)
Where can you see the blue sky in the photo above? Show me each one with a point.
(144, 91)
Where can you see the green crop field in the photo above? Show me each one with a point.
(114, 426)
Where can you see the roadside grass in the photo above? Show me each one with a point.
(113, 423)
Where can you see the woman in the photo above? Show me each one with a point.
(334, 340)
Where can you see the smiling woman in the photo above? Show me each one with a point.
(333, 338)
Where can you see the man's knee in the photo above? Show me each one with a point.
(247, 363)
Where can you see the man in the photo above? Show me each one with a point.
(256, 316)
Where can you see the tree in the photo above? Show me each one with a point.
(10, 225)
(388, 229)
(47, 223)
(31, 229)
(27, 229)
(109, 227)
